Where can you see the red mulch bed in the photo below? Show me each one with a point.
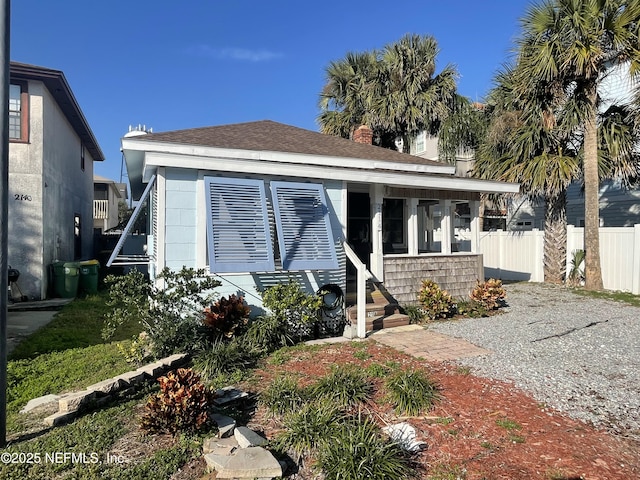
(480, 428)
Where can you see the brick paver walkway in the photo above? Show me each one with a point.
(419, 342)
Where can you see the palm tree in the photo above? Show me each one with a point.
(570, 46)
(525, 142)
(396, 91)
(346, 96)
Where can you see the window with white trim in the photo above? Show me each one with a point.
(420, 142)
(238, 226)
(18, 112)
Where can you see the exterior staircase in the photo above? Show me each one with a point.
(382, 310)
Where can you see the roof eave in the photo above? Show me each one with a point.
(57, 85)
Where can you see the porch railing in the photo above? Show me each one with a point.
(100, 209)
(361, 296)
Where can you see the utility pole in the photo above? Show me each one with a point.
(5, 18)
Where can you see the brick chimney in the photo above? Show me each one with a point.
(363, 134)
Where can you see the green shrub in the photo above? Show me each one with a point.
(489, 294)
(283, 395)
(171, 315)
(224, 357)
(344, 386)
(436, 303)
(296, 311)
(182, 405)
(307, 428)
(410, 392)
(227, 316)
(415, 313)
(358, 450)
(267, 334)
(137, 351)
(471, 309)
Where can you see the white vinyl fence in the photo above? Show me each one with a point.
(519, 255)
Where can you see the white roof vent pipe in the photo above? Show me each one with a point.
(134, 131)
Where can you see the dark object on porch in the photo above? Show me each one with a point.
(332, 316)
(13, 275)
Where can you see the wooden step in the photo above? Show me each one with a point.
(396, 320)
(390, 321)
(373, 310)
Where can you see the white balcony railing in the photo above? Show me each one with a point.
(100, 209)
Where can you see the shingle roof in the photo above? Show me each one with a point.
(267, 135)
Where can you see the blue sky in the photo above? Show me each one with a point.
(171, 65)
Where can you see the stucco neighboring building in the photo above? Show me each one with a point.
(107, 195)
(51, 155)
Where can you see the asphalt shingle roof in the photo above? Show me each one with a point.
(267, 135)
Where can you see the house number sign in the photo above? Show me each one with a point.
(21, 197)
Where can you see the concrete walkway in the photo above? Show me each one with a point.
(417, 341)
(420, 342)
(24, 318)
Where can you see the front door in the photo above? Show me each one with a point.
(359, 225)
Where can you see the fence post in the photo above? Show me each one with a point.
(538, 236)
(570, 249)
(501, 250)
(635, 275)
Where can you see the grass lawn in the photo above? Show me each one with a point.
(69, 354)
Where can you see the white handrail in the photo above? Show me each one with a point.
(361, 296)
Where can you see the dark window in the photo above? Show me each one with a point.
(394, 226)
(82, 157)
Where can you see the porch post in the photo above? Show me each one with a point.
(412, 227)
(474, 208)
(377, 261)
(445, 227)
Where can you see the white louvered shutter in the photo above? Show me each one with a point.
(303, 225)
(238, 235)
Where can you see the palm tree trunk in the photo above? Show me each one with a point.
(555, 238)
(592, 270)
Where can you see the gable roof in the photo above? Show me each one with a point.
(267, 135)
(57, 85)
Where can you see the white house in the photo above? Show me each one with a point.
(261, 202)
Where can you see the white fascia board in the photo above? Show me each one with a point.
(282, 157)
(390, 178)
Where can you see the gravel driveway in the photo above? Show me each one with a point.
(577, 354)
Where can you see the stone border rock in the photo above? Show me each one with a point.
(238, 452)
(71, 404)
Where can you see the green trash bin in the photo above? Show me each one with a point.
(65, 278)
(89, 276)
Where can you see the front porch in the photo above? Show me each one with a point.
(398, 237)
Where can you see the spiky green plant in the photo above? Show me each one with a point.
(411, 392)
(345, 386)
(307, 428)
(358, 450)
(283, 395)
